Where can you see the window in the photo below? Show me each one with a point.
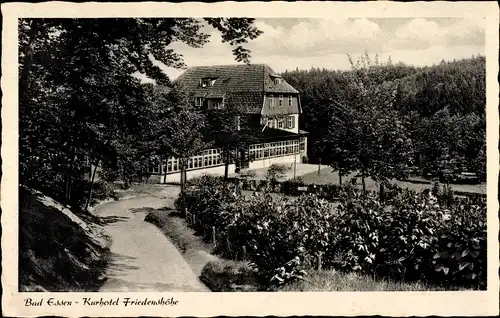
(204, 82)
(291, 122)
(280, 123)
(217, 103)
(290, 100)
(154, 169)
(270, 123)
(198, 101)
(277, 80)
(238, 128)
(271, 100)
(281, 101)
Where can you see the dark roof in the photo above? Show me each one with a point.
(270, 85)
(244, 84)
(245, 102)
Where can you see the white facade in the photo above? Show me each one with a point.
(176, 177)
(265, 163)
(260, 155)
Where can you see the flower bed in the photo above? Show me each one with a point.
(410, 236)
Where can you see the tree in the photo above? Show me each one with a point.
(186, 128)
(383, 146)
(276, 172)
(231, 131)
(420, 94)
(340, 139)
(78, 100)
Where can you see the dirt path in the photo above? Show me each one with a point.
(142, 258)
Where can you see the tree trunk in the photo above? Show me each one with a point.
(226, 170)
(382, 192)
(91, 187)
(226, 167)
(340, 178)
(28, 58)
(183, 173)
(363, 183)
(66, 189)
(319, 166)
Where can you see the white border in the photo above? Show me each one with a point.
(258, 304)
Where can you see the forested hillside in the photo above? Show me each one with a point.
(438, 111)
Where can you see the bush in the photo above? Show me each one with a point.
(290, 187)
(276, 172)
(409, 236)
(207, 197)
(281, 235)
(247, 173)
(413, 239)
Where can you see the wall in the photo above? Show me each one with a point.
(218, 170)
(264, 163)
(275, 119)
(276, 109)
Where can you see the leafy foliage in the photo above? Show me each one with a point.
(381, 118)
(276, 172)
(410, 237)
(81, 104)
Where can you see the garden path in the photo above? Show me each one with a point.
(142, 257)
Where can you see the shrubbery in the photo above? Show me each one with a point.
(415, 239)
(410, 237)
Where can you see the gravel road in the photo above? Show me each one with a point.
(143, 258)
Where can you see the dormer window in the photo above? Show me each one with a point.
(277, 80)
(205, 82)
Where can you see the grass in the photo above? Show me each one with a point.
(325, 281)
(229, 276)
(234, 276)
(327, 176)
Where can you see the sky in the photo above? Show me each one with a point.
(290, 43)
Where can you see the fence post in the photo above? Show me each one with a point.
(244, 252)
(319, 260)
(214, 238)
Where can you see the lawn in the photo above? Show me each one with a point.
(328, 176)
(309, 173)
(331, 280)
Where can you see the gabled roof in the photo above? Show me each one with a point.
(235, 78)
(243, 85)
(270, 85)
